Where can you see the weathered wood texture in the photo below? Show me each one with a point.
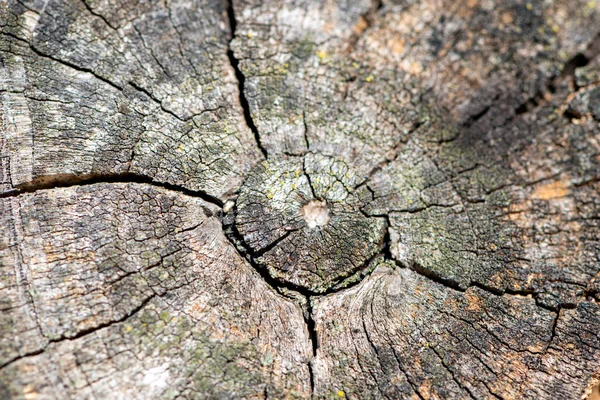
(299, 199)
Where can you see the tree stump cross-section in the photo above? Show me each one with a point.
(388, 199)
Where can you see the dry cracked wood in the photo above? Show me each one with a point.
(299, 199)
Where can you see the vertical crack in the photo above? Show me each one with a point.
(235, 64)
(305, 131)
(311, 325)
(312, 334)
(553, 329)
(310, 184)
(286, 289)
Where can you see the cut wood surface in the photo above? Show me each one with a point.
(299, 199)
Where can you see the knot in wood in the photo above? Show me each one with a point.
(315, 213)
(301, 219)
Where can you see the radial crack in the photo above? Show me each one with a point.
(82, 333)
(62, 181)
(235, 64)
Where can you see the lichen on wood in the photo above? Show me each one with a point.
(299, 199)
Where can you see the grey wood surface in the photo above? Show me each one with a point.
(299, 199)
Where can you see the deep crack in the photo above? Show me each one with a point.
(234, 237)
(451, 284)
(235, 64)
(282, 287)
(63, 181)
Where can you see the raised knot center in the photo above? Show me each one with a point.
(302, 219)
(315, 213)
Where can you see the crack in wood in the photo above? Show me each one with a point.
(62, 181)
(235, 64)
